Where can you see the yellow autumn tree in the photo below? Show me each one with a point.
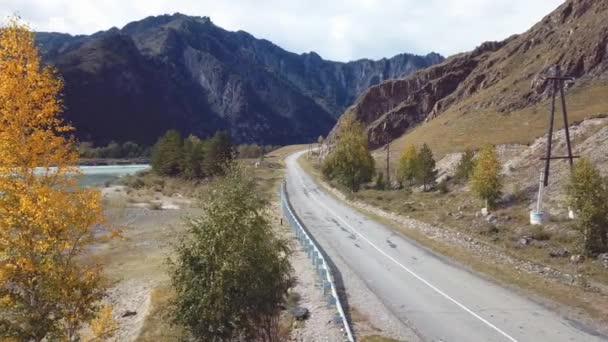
(47, 290)
(485, 180)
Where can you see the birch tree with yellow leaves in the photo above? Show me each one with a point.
(47, 289)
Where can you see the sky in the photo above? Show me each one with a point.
(339, 30)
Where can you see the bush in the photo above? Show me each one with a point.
(588, 197)
(380, 184)
(443, 187)
(231, 273)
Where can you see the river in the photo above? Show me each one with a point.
(99, 175)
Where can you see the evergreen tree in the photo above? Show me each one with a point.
(485, 180)
(350, 162)
(464, 169)
(406, 171)
(231, 273)
(167, 155)
(588, 196)
(425, 172)
(218, 153)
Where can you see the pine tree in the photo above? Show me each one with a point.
(47, 221)
(406, 171)
(485, 180)
(350, 162)
(425, 172)
(465, 166)
(167, 155)
(588, 197)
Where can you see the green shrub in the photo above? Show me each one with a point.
(588, 197)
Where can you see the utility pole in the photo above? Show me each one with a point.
(557, 85)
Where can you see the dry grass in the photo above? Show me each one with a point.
(458, 129)
(157, 326)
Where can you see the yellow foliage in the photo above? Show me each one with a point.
(406, 170)
(103, 327)
(46, 220)
(485, 180)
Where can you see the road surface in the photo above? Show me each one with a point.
(442, 301)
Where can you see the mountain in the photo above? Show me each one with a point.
(496, 93)
(183, 72)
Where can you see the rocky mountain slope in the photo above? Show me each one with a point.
(496, 93)
(177, 71)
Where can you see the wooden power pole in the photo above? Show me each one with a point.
(557, 85)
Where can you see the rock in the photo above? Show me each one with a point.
(128, 313)
(602, 257)
(484, 211)
(577, 259)
(300, 313)
(525, 241)
(559, 253)
(491, 218)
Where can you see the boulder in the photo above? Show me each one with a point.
(300, 313)
(577, 259)
(524, 240)
(559, 253)
(491, 219)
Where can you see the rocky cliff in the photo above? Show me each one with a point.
(177, 71)
(497, 77)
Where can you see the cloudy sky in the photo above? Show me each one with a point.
(336, 29)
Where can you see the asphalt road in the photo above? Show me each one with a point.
(442, 301)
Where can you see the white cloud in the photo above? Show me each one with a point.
(339, 29)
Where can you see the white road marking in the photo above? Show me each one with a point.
(424, 281)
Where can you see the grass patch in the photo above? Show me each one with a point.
(158, 326)
(460, 128)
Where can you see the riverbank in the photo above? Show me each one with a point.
(110, 161)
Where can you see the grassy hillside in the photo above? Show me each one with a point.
(458, 128)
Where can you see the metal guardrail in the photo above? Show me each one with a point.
(318, 260)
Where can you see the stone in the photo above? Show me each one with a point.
(524, 241)
(559, 253)
(602, 257)
(128, 313)
(577, 259)
(484, 211)
(492, 219)
(300, 313)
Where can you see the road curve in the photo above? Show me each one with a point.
(442, 301)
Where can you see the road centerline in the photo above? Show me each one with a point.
(412, 273)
